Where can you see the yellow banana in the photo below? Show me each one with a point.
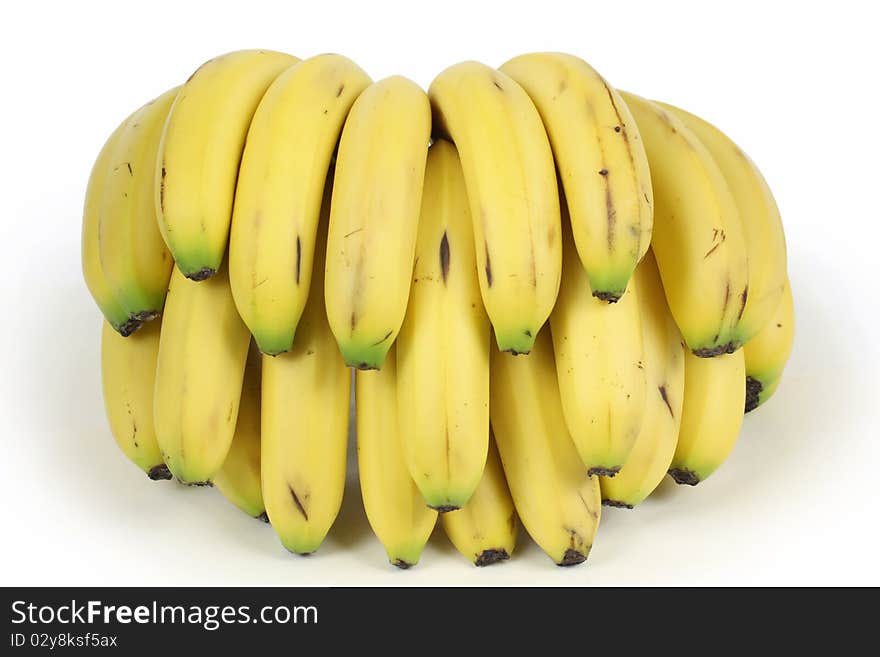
(374, 218)
(133, 255)
(767, 353)
(200, 152)
(239, 478)
(128, 374)
(484, 530)
(601, 162)
(511, 183)
(714, 398)
(698, 237)
(306, 396)
(664, 371)
(278, 196)
(394, 506)
(443, 346)
(599, 364)
(93, 272)
(202, 354)
(557, 502)
(762, 225)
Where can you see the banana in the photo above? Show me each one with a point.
(599, 365)
(762, 225)
(392, 501)
(557, 502)
(278, 196)
(698, 238)
(128, 373)
(714, 398)
(202, 354)
(664, 371)
(601, 162)
(374, 217)
(133, 255)
(93, 273)
(306, 396)
(443, 346)
(512, 189)
(239, 478)
(767, 353)
(200, 152)
(484, 530)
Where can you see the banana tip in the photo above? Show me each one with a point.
(617, 504)
(159, 472)
(572, 558)
(753, 393)
(490, 556)
(201, 274)
(684, 476)
(603, 471)
(403, 565)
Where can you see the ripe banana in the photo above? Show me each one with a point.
(128, 373)
(443, 346)
(601, 162)
(557, 502)
(698, 237)
(278, 196)
(202, 354)
(93, 272)
(200, 152)
(512, 189)
(714, 397)
(239, 478)
(306, 396)
(484, 530)
(767, 353)
(762, 225)
(374, 218)
(599, 365)
(133, 255)
(394, 506)
(664, 371)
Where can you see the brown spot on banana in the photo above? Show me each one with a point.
(162, 190)
(497, 85)
(488, 267)
(742, 305)
(378, 342)
(298, 503)
(444, 257)
(340, 90)
(665, 397)
(298, 257)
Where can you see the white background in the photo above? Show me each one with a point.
(794, 84)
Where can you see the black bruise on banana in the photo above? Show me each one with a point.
(298, 503)
(663, 394)
(298, 257)
(444, 257)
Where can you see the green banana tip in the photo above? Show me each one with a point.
(684, 476)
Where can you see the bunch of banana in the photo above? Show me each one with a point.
(290, 220)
